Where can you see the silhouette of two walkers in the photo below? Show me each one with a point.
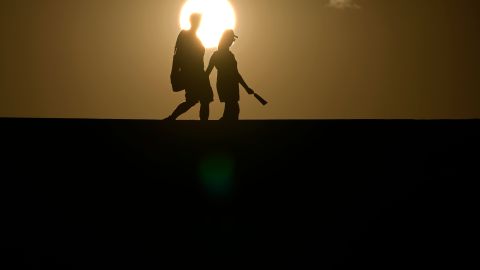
(188, 74)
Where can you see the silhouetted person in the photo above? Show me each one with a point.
(228, 78)
(188, 59)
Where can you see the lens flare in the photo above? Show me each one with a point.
(217, 172)
(218, 16)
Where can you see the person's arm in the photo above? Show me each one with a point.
(244, 84)
(242, 81)
(211, 65)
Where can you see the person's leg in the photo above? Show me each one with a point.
(235, 111)
(204, 111)
(232, 111)
(226, 112)
(181, 109)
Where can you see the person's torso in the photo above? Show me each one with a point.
(226, 65)
(192, 52)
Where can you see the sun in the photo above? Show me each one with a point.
(218, 16)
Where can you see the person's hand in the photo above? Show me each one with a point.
(250, 91)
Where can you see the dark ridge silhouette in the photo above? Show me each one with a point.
(122, 194)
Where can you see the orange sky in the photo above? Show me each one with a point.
(111, 59)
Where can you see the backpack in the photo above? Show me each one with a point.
(177, 77)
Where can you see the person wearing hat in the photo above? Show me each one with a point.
(228, 77)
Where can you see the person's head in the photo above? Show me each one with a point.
(227, 39)
(195, 20)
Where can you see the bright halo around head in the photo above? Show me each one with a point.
(217, 16)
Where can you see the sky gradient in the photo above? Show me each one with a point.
(311, 59)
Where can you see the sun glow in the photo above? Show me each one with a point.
(218, 16)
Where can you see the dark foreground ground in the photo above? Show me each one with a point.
(99, 194)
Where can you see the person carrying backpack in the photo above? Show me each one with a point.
(188, 72)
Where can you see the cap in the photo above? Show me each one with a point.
(230, 33)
